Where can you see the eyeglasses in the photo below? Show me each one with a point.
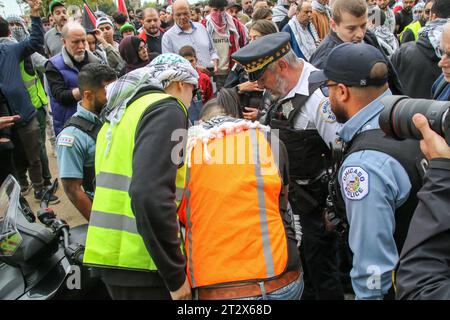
(324, 87)
(441, 52)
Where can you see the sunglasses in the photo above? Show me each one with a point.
(324, 87)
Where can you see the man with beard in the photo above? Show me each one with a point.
(152, 32)
(76, 143)
(321, 16)
(411, 32)
(378, 176)
(53, 39)
(304, 37)
(404, 16)
(247, 10)
(62, 72)
(390, 16)
(417, 61)
(306, 126)
(349, 24)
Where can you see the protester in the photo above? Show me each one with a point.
(387, 40)
(349, 24)
(321, 16)
(405, 16)
(152, 32)
(104, 35)
(189, 33)
(127, 30)
(134, 52)
(142, 258)
(390, 16)
(53, 39)
(417, 62)
(304, 36)
(62, 72)
(15, 100)
(227, 34)
(283, 12)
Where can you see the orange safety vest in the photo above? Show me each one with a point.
(230, 208)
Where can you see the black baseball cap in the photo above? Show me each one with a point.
(350, 64)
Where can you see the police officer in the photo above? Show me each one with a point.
(378, 177)
(306, 126)
(76, 142)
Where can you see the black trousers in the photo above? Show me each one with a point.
(138, 293)
(319, 251)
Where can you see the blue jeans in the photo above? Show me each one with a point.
(293, 291)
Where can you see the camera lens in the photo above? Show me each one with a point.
(396, 118)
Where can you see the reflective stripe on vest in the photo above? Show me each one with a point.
(34, 87)
(113, 239)
(232, 209)
(414, 27)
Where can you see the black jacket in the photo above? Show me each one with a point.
(332, 40)
(417, 66)
(423, 271)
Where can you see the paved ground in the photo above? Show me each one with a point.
(64, 210)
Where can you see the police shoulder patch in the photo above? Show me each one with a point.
(355, 182)
(66, 140)
(325, 111)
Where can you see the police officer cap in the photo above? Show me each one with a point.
(351, 64)
(258, 54)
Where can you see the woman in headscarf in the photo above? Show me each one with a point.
(133, 51)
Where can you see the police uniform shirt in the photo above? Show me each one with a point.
(373, 185)
(317, 112)
(76, 149)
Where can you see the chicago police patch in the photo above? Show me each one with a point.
(355, 182)
(66, 140)
(325, 111)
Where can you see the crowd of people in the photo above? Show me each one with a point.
(224, 118)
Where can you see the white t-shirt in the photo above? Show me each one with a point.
(222, 46)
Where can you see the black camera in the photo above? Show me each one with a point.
(396, 118)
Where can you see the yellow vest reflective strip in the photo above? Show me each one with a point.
(113, 221)
(113, 181)
(34, 87)
(113, 239)
(262, 213)
(414, 27)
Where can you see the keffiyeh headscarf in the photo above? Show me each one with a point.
(216, 128)
(163, 70)
(18, 33)
(433, 31)
(316, 5)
